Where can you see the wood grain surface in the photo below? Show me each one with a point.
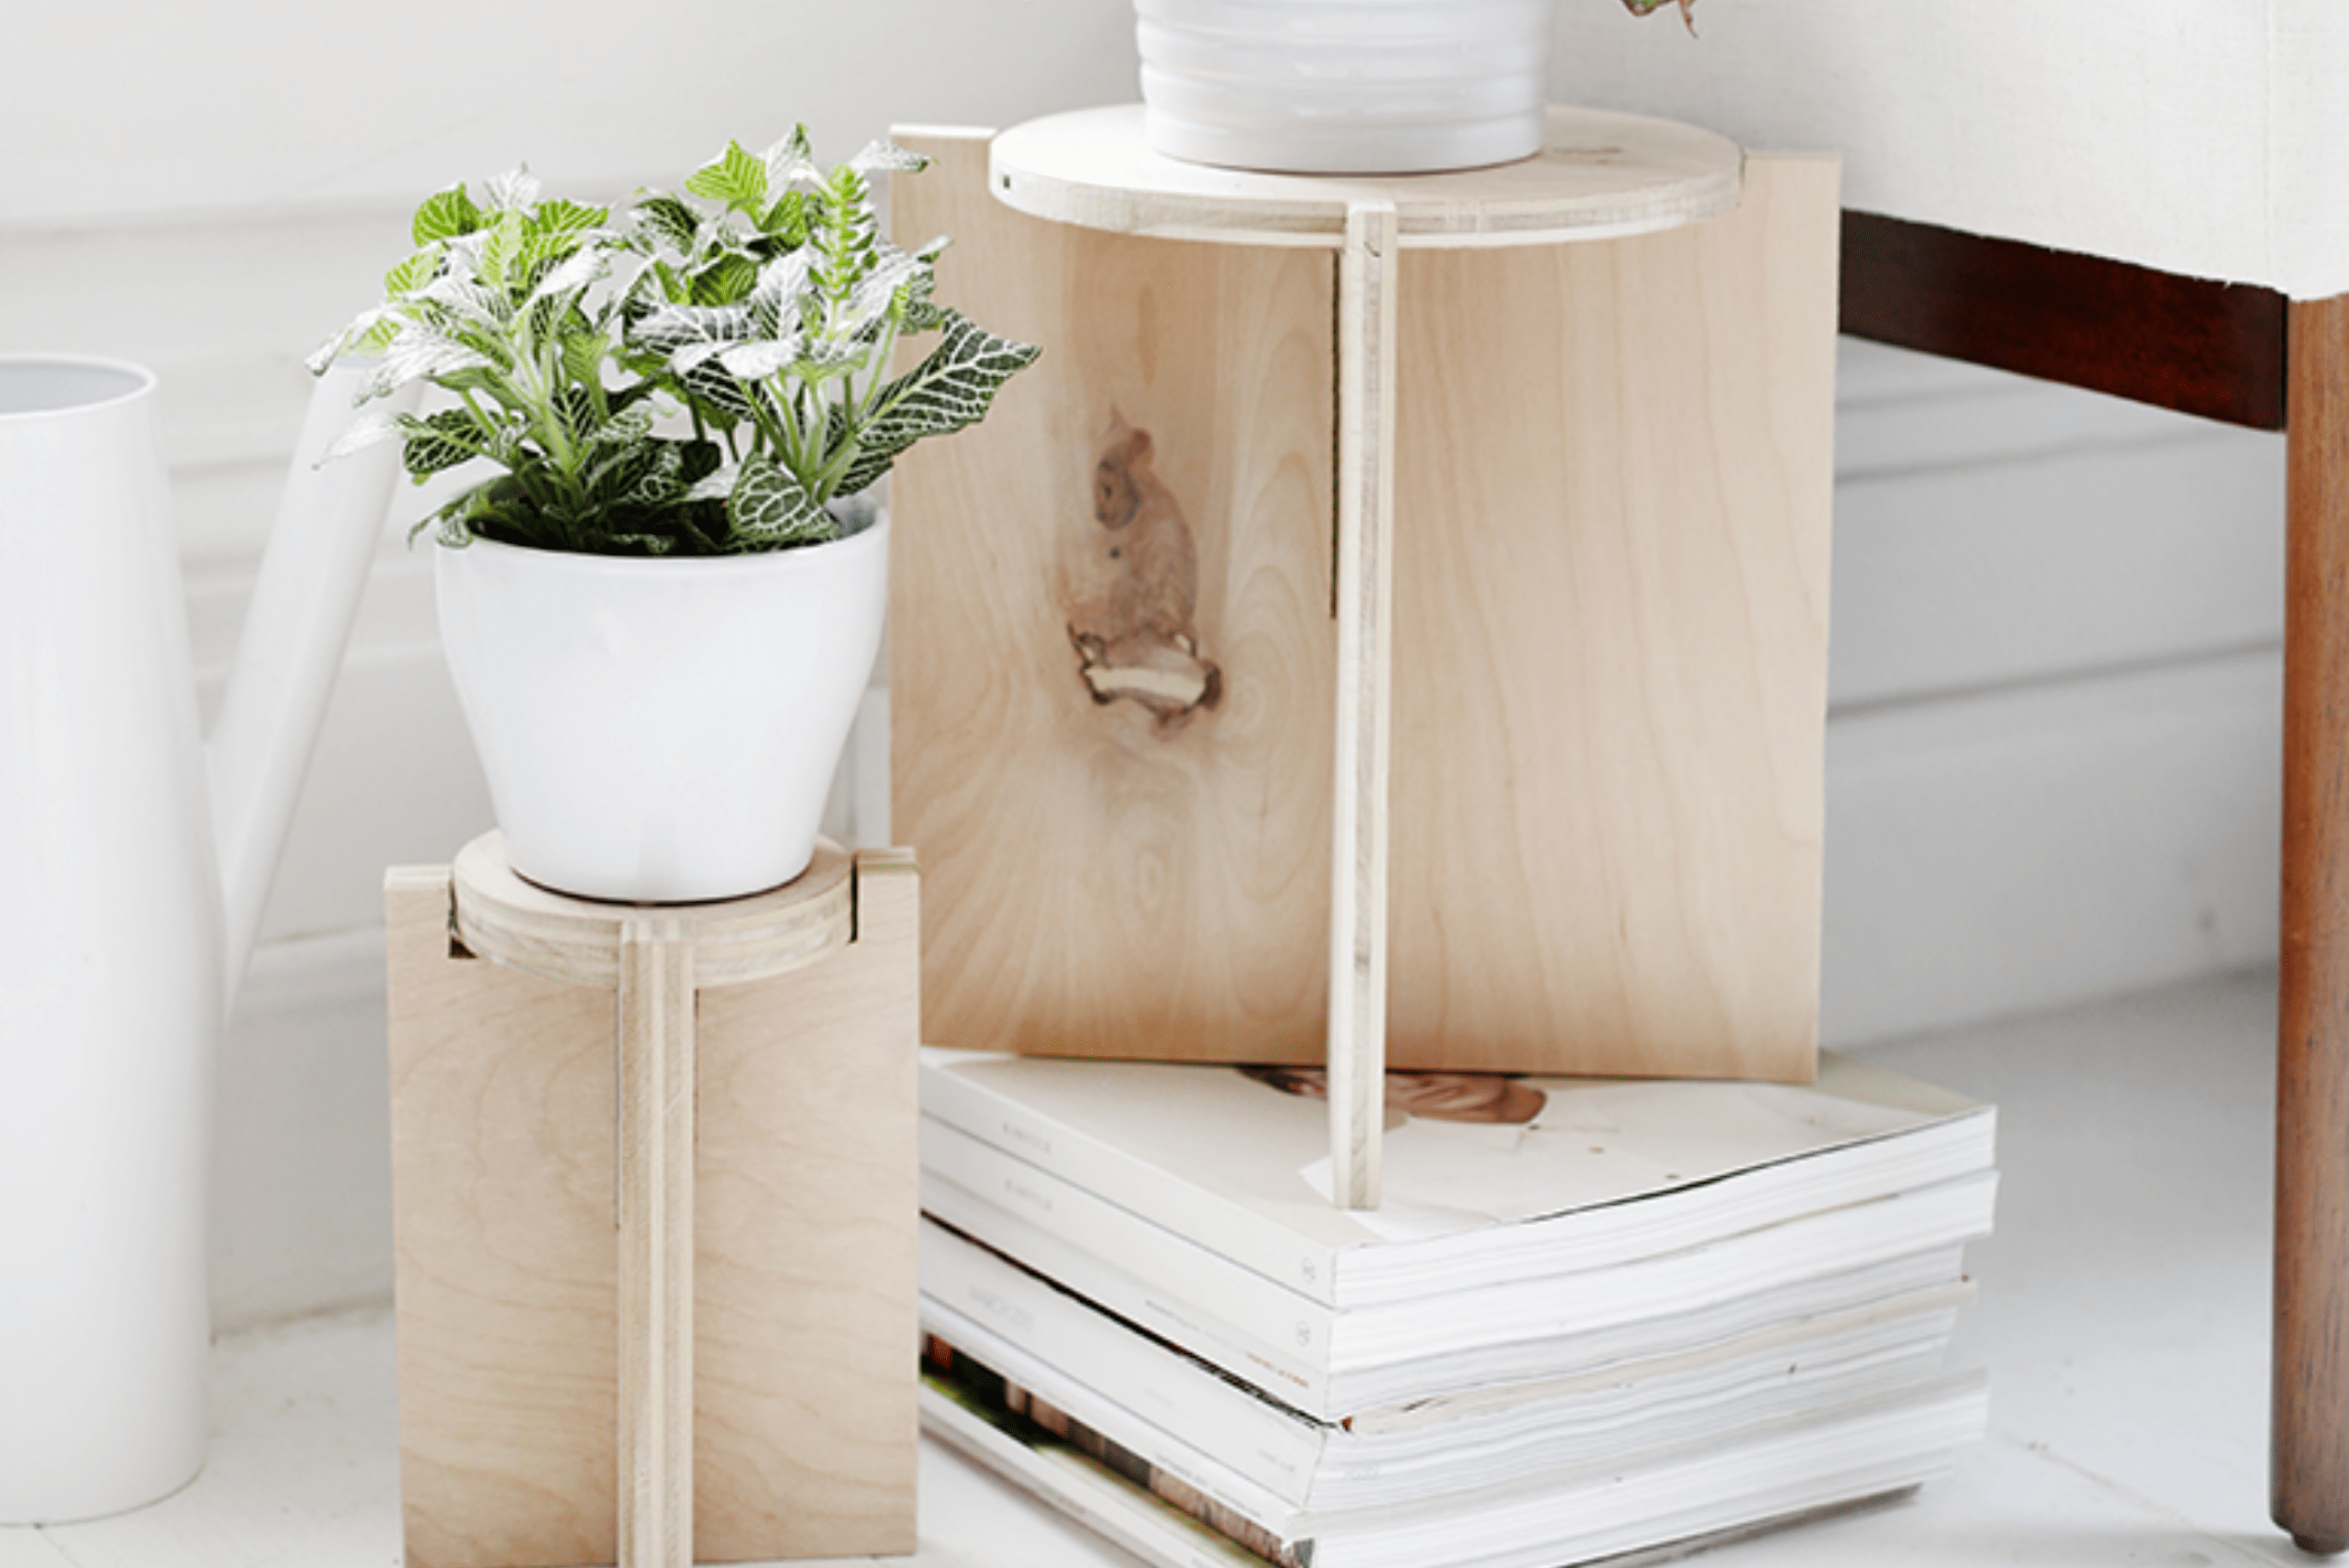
(1102, 877)
(2200, 347)
(505, 1195)
(1610, 646)
(1599, 173)
(2309, 1457)
(1613, 483)
(1368, 291)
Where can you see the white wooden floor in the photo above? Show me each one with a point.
(2123, 1316)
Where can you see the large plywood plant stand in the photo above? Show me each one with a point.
(655, 1196)
(1389, 624)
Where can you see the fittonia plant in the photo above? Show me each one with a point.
(698, 376)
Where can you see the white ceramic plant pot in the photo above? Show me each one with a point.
(662, 731)
(1345, 86)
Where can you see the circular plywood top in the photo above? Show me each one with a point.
(557, 937)
(1600, 176)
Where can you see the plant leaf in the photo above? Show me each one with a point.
(756, 362)
(367, 430)
(572, 275)
(769, 508)
(444, 216)
(883, 156)
(668, 220)
(733, 177)
(501, 249)
(415, 273)
(438, 441)
(791, 159)
(562, 216)
(513, 190)
(673, 327)
(949, 389)
(717, 390)
(419, 354)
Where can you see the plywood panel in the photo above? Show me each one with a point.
(1614, 478)
(806, 1203)
(1112, 745)
(1612, 554)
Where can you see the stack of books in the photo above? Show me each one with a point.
(1589, 1317)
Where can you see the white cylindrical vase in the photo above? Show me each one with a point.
(662, 730)
(1345, 86)
(110, 958)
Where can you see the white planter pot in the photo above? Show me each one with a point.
(662, 731)
(1345, 86)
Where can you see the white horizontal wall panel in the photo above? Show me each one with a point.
(1993, 855)
(303, 1172)
(2089, 559)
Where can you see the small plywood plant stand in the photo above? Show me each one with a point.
(1601, 176)
(653, 1162)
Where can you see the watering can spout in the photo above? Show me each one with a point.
(313, 571)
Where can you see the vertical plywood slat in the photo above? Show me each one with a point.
(655, 1041)
(1611, 647)
(1365, 616)
(1131, 875)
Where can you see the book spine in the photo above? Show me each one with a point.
(1284, 1353)
(1163, 1523)
(1168, 1201)
(968, 1291)
(1212, 1281)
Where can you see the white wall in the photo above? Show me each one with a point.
(2051, 756)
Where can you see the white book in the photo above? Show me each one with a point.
(1792, 1469)
(1332, 1364)
(1169, 1408)
(1596, 1173)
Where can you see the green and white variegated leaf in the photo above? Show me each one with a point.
(769, 508)
(342, 342)
(661, 484)
(669, 221)
(885, 157)
(733, 177)
(758, 361)
(877, 293)
(437, 441)
(418, 354)
(949, 389)
(443, 215)
(413, 274)
(466, 301)
(584, 355)
(513, 190)
(571, 276)
(726, 279)
(713, 387)
(824, 358)
(367, 430)
(688, 336)
(785, 295)
(561, 217)
(668, 326)
(791, 161)
(501, 249)
(714, 485)
(625, 428)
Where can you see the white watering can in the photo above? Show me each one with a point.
(134, 860)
